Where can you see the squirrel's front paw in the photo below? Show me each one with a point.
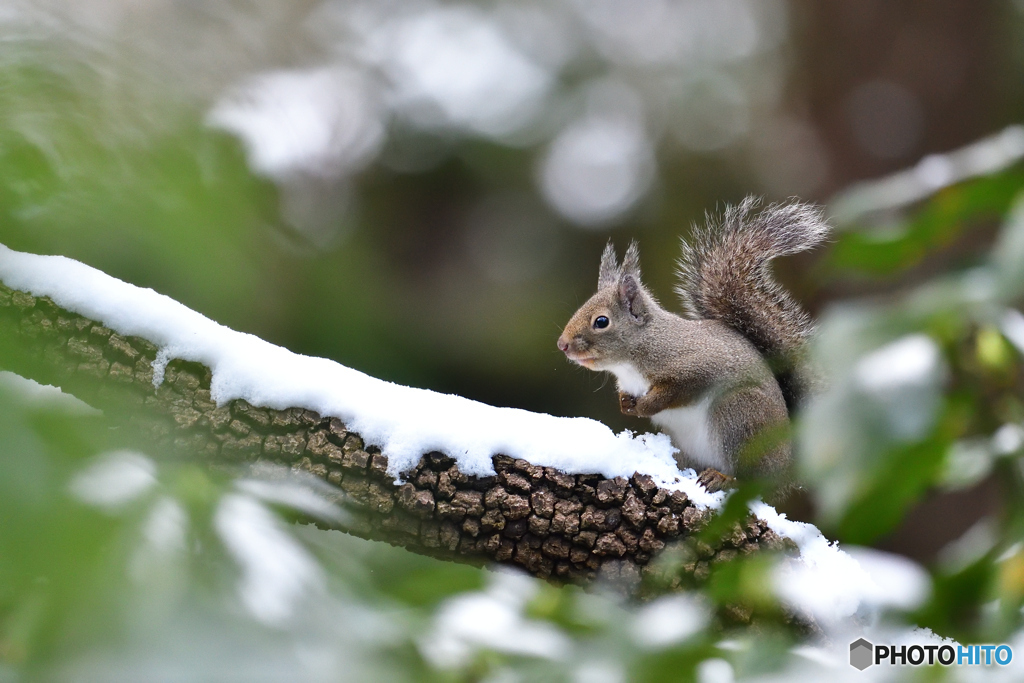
(627, 403)
(713, 480)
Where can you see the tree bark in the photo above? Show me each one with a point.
(559, 526)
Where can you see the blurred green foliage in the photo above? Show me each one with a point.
(947, 217)
(75, 605)
(142, 189)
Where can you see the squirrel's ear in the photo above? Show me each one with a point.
(632, 298)
(609, 273)
(631, 261)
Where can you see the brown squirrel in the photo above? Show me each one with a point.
(723, 380)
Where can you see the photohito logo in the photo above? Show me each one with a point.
(864, 654)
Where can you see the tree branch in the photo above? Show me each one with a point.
(554, 525)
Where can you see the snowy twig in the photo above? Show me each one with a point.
(933, 173)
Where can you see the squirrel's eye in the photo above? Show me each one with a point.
(600, 322)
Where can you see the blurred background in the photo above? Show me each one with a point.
(421, 191)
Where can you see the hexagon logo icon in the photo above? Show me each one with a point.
(861, 654)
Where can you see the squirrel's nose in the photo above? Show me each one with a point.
(563, 344)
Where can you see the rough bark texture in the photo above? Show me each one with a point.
(555, 525)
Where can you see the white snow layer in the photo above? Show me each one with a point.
(31, 393)
(832, 585)
(406, 422)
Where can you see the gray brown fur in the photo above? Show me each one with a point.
(725, 274)
(713, 369)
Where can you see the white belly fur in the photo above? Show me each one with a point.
(691, 432)
(689, 426)
(629, 379)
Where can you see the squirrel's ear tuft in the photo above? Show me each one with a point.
(609, 273)
(631, 261)
(632, 298)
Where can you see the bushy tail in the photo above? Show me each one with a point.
(725, 274)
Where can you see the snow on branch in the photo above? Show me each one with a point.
(404, 422)
(438, 474)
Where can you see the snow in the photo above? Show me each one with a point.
(277, 572)
(30, 393)
(294, 490)
(669, 620)
(407, 422)
(894, 581)
(404, 422)
(833, 586)
(164, 542)
(114, 479)
(1012, 326)
(984, 157)
(492, 619)
(715, 670)
(911, 360)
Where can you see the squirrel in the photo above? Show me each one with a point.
(723, 380)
